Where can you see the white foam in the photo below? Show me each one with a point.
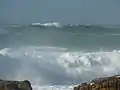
(39, 64)
(48, 24)
(55, 87)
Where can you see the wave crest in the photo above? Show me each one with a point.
(50, 24)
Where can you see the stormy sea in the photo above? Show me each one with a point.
(55, 56)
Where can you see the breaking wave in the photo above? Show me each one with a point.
(46, 65)
(52, 24)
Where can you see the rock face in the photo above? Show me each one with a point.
(107, 83)
(15, 85)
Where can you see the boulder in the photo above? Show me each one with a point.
(15, 85)
(10, 86)
(106, 83)
(24, 85)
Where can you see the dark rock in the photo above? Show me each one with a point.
(11, 86)
(24, 85)
(15, 85)
(106, 83)
(1, 86)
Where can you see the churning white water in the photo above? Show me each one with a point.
(47, 66)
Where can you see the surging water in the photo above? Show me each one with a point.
(58, 57)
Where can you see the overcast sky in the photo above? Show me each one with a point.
(64, 11)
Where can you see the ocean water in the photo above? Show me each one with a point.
(57, 57)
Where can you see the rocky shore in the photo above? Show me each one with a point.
(106, 83)
(15, 85)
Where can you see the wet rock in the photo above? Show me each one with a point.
(15, 85)
(106, 83)
(25, 85)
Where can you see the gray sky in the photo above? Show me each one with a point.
(64, 11)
